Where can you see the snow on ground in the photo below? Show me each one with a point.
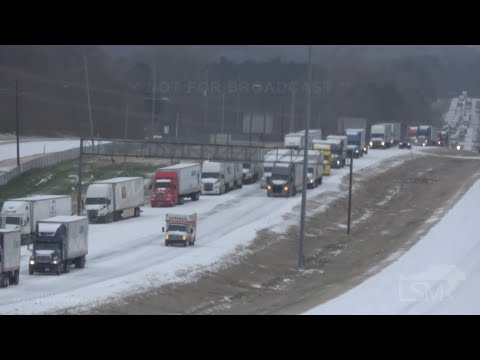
(438, 275)
(130, 255)
(9, 150)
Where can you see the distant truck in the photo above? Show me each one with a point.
(315, 161)
(59, 243)
(221, 177)
(9, 257)
(114, 199)
(339, 147)
(172, 184)
(344, 123)
(412, 132)
(356, 137)
(181, 229)
(268, 161)
(286, 179)
(427, 135)
(396, 132)
(381, 136)
(23, 213)
(294, 141)
(251, 172)
(326, 150)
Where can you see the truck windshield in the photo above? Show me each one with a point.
(207, 175)
(246, 166)
(95, 201)
(279, 177)
(163, 185)
(12, 221)
(45, 245)
(175, 227)
(310, 170)
(378, 135)
(267, 169)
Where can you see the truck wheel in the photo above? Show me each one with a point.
(137, 212)
(191, 243)
(268, 194)
(2, 281)
(80, 263)
(186, 244)
(30, 272)
(16, 277)
(181, 201)
(166, 243)
(320, 181)
(59, 269)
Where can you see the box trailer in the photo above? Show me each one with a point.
(9, 257)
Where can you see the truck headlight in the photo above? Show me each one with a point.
(356, 151)
(32, 262)
(166, 237)
(383, 143)
(269, 187)
(408, 144)
(285, 188)
(184, 237)
(371, 143)
(55, 262)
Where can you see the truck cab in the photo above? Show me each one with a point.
(99, 202)
(181, 229)
(47, 248)
(165, 184)
(15, 215)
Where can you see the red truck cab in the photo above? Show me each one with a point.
(165, 189)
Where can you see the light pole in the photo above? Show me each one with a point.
(16, 121)
(85, 65)
(301, 257)
(223, 112)
(154, 88)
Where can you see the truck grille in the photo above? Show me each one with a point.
(277, 189)
(174, 237)
(208, 187)
(159, 196)
(43, 258)
(92, 213)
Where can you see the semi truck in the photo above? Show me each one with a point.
(220, 177)
(23, 213)
(344, 123)
(251, 172)
(172, 184)
(9, 257)
(294, 141)
(412, 132)
(268, 161)
(326, 150)
(356, 139)
(114, 199)
(286, 179)
(396, 132)
(339, 152)
(381, 136)
(181, 229)
(427, 135)
(59, 243)
(315, 161)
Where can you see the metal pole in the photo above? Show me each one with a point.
(79, 185)
(17, 124)
(92, 134)
(223, 113)
(292, 116)
(154, 88)
(350, 194)
(176, 127)
(125, 134)
(301, 257)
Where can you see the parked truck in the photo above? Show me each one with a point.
(172, 184)
(251, 172)
(114, 199)
(326, 149)
(427, 135)
(59, 243)
(381, 136)
(237, 175)
(396, 132)
(356, 139)
(23, 213)
(339, 147)
(412, 132)
(9, 257)
(181, 229)
(344, 123)
(294, 140)
(217, 177)
(269, 159)
(315, 161)
(286, 179)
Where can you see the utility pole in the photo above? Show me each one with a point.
(301, 257)
(125, 134)
(92, 133)
(292, 116)
(79, 185)
(350, 194)
(17, 124)
(176, 127)
(154, 88)
(223, 112)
